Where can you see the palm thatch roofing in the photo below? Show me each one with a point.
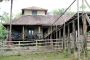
(45, 20)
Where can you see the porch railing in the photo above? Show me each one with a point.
(36, 45)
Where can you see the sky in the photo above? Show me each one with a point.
(48, 4)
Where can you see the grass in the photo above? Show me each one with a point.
(36, 56)
(39, 56)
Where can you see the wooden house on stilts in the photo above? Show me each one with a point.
(35, 24)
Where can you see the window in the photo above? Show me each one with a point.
(34, 12)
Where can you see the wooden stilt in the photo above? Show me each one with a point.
(23, 33)
(64, 37)
(39, 31)
(74, 39)
(56, 32)
(60, 34)
(84, 33)
(51, 39)
(69, 44)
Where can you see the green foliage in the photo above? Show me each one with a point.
(65, 52)
(61, 11)
(58, 11)
(17, 15)
(5, 17)
(3, 32)
(83, 7)
(88, 33)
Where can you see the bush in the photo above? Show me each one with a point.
(3, 32)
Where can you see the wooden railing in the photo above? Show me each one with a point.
(49, 31)
(46, 44)
(88, 42)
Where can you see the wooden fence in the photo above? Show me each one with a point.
(33, 45)
(88, 42)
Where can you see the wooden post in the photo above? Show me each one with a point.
(51, 32)
(60, 34)
(23, 33)
(36, 44)
(74, 39)
(56, 32)
(69, 44)
(84, 33)
(19, 43)
(48, 34)
(39, 31)
(61, 41)
(56, 37)
(64, 37)
(51, 40)
(74, 35)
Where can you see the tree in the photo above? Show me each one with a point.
(3, 32)
(61, 11)
(83, 7)
(58, 11)
(17, 15)
(5, 17)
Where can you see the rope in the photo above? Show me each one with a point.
(64, 12)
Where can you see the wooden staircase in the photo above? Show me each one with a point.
(49, 31)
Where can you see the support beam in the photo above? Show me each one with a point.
(64, 37)
(51, 39)
(56, 32)
(74, 38)
(23, 34)
(84, 33)
(39, 31)
(60, 34)
(51, 32)
(69, 44)
(48, 33)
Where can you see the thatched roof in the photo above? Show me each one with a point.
(39, 20)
